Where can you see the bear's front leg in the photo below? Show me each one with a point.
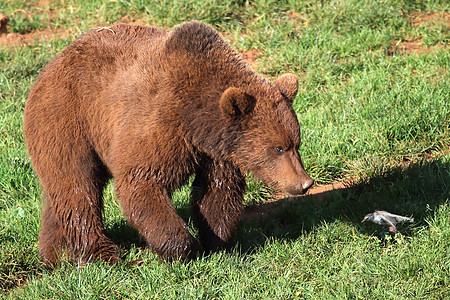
(148, 207)
(217, 204)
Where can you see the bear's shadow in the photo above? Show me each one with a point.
(416, 190)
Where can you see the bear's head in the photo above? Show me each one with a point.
(269, 143)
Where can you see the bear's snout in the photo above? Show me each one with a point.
(307, 184)
(291, 175)
(300, 188)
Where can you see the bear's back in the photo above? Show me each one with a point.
(97, 55)
(92, 63)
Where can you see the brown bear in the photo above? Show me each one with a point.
(148, 108)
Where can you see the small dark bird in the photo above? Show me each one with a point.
(382, 217)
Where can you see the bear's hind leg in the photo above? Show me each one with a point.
(217, 204)
(75, 207)
(52, 242)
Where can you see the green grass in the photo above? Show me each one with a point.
(371, 114)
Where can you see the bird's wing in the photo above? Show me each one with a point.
(386, 219)
(397, 218)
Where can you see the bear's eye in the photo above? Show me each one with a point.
(279, 150)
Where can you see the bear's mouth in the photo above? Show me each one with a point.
(296, 192)
(281, 193)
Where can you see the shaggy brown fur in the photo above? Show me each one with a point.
(148, 108)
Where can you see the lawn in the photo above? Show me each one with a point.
(374, 110)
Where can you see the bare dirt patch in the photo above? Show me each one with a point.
(416, 45)
(15, 39)
(413, 46)
(43, 2)
(261, 211)
(250, 57)
(418, 18)
(300, 20)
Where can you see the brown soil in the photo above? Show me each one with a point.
(43, 3)
(413, 46)
(416, 46)
(418, 18)
(250, 57)
(259, 212)
(15, 39)
(300, 20)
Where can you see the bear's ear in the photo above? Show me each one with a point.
(288, 86)
(235, 103)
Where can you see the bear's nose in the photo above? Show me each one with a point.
(307, 184)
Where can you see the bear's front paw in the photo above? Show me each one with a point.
(182, 251)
